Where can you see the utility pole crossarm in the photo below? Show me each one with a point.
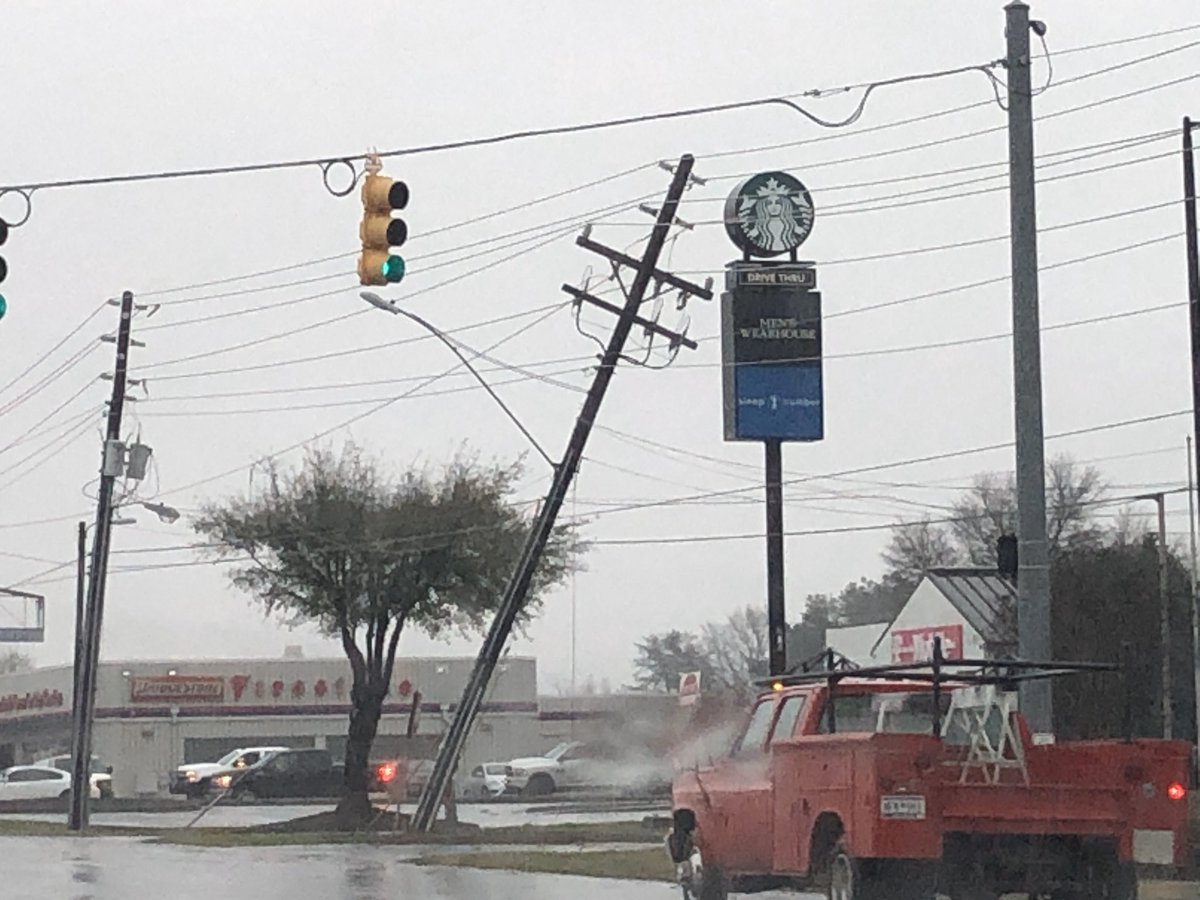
(658, 275)
(673, 336)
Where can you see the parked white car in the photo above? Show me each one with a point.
(193, 778)
(45, 783)
(487, 782)
(100, 775)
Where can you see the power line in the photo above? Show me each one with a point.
(629, 171)
(33, 430)
(339, 354)
(524, 369)
(359, 416)
(534, 231)
(49, 379)
(327, 162)
(809, 532)
(658, 541)
(349, 315)
(37, 362)
(947, 112)
(44, 453)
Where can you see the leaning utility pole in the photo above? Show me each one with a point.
(112, 463)
(1033, 563)
(518, 587)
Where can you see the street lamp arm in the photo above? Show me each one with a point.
(390, 306)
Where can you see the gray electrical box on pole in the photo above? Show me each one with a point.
(1033, 563)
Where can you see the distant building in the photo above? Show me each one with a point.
(154, 716)
(973, 611)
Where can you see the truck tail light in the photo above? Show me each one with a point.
(386, 773)
(1176, 791)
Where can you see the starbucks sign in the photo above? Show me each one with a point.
(769, 214)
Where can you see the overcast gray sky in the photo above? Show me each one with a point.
(97, 90)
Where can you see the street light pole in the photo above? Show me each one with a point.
(77, 670)
(1033, 563)
(1164, 612)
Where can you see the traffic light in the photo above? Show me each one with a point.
(3, 266)
(380, 231)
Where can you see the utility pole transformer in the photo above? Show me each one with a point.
(543, 526)
(1033, 561)
(112, 460)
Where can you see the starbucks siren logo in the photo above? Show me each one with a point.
(769, 214)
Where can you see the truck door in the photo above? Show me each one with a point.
(740, 788)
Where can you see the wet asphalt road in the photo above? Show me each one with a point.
(126, 869)
(493, 815)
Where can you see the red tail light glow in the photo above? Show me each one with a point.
(1176, 791)
(386, 772)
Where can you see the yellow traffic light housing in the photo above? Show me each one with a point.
(380, 231)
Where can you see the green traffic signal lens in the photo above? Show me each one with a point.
(3, 306)
(392, 269)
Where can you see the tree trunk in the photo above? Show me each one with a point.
(355, 806)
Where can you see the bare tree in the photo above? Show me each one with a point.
(738, 648)
(989, 510)
(916, 547)
(15, 661)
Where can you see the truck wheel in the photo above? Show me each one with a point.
(845, 881)
(873, 879)
(713, 885)
(540, 785)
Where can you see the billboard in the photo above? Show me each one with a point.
(771, 353)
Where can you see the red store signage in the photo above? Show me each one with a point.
(177, 689)
(915, 645)
(31, 702)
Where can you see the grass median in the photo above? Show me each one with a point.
(275, 836)
(648, 864)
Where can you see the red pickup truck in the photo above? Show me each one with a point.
(898, 783)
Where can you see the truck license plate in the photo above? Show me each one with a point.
(904, 806)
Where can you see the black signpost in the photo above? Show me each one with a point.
(771, 351)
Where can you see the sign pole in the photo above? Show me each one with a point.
(771, 352)
(776, 614)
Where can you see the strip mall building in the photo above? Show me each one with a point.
(153, 716)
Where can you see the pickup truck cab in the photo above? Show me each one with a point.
(196, 779)
(879, 789)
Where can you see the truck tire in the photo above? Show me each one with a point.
(713, 885)
(540, 785)
(849, 878)
(845, 876)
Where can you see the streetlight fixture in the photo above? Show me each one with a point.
(390, 306)
(168, 514)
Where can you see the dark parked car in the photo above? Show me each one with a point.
(287, 773)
